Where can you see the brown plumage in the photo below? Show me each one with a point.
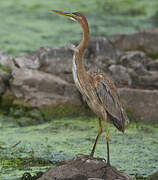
(96, 87)
(108, 97)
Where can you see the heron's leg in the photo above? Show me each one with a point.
(107, 140)
(98, 136)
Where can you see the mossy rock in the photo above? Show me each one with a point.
(5, 103)
(26, 115)
(61, 110)
(5, 69)
(154, 176)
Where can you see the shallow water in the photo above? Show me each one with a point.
(28, 25)
(29, 149)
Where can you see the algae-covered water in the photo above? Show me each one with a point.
(30, 149)
(28, 25)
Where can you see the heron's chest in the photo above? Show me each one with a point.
(76, 76)
(80, 79)
(84, 87)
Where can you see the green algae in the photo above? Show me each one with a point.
(23, 114)
(61, 110)
(5, 69)
(134, 152)
(5, 103)
(28, 25)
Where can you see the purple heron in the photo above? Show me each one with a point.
(95, 86)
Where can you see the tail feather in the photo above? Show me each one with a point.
(119, 123)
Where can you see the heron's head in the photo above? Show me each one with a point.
(76, 16)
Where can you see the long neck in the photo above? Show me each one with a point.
(85, 39)
(79, 55)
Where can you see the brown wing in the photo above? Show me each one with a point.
(108, 97)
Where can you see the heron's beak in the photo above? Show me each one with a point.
(69, 15)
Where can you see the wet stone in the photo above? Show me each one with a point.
(83, 167)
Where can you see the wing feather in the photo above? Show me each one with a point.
(108, 97)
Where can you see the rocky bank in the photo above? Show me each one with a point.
(44, 77)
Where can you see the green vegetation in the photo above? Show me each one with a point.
(5, 69)
(22, 114)
(34, 148)
(28, 25)
(28, 148)
(61, 111)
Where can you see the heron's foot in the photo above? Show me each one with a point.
(92, 154)
(89, 157)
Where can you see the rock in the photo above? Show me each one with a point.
(143, 104)
(82, 167)
(101, 53)
(30, 62)
(2, 87)
(4, 81)
(95, 179)
(139, 69)
(102, 46)
(153, 65)
(4, 75)
(149, 81)
(38, 88)
(146, 41)
(2, 53)
(134, 59)
(56, 61)
(151, 30)
(4, 71)
(124, 68)
(153, 176)
(44, 77)
(120, 75)
(5, 60)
